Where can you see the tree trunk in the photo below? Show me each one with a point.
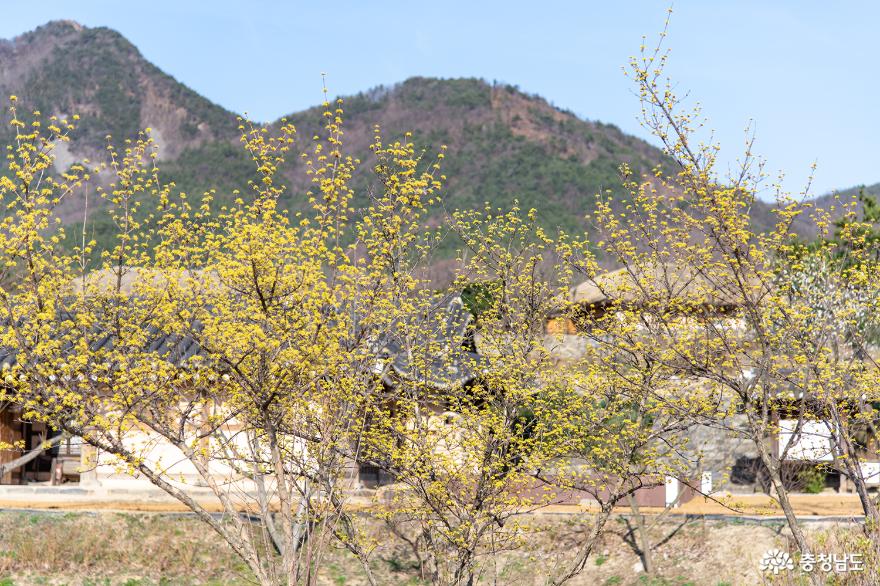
(587, 549)
(644, 538)
(784, 502)
(853, 469)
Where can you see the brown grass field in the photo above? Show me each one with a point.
(137, 548)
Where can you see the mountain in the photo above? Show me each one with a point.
(503, 145)
(63, 68)
(853, 192)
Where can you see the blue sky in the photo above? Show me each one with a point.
(805, 72)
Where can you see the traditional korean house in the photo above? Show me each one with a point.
(724, 456)
(452, 364)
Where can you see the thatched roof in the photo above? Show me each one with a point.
(636, 285)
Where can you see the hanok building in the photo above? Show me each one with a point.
(68, 459)
(60, 462)
(723, 455)
(453, 365)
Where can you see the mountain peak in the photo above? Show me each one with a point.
(63, 24)
(52, 30)
(65, 68)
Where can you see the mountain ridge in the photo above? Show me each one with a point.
(503, 145)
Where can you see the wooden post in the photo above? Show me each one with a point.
(10, 434)
(88, 475)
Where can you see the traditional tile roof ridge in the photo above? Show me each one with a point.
(454, 366)
(449, 362)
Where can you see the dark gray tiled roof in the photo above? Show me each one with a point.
(172, 347)
(450, 360)
(454, 365)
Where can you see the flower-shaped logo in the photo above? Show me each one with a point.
(776, 560)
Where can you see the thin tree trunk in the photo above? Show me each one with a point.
(854, 469)
(782, 496)
(586, 549)
(464, 574)
(644, 538)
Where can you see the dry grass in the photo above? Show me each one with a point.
(140, 549)
(113, 548)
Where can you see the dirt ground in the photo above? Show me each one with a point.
(823, 505)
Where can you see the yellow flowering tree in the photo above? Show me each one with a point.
(467, 424)
(230, 348)
(248, 358)
(245, 358)
(721, 308)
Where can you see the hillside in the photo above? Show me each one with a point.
(503, 145)
(63, 68)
